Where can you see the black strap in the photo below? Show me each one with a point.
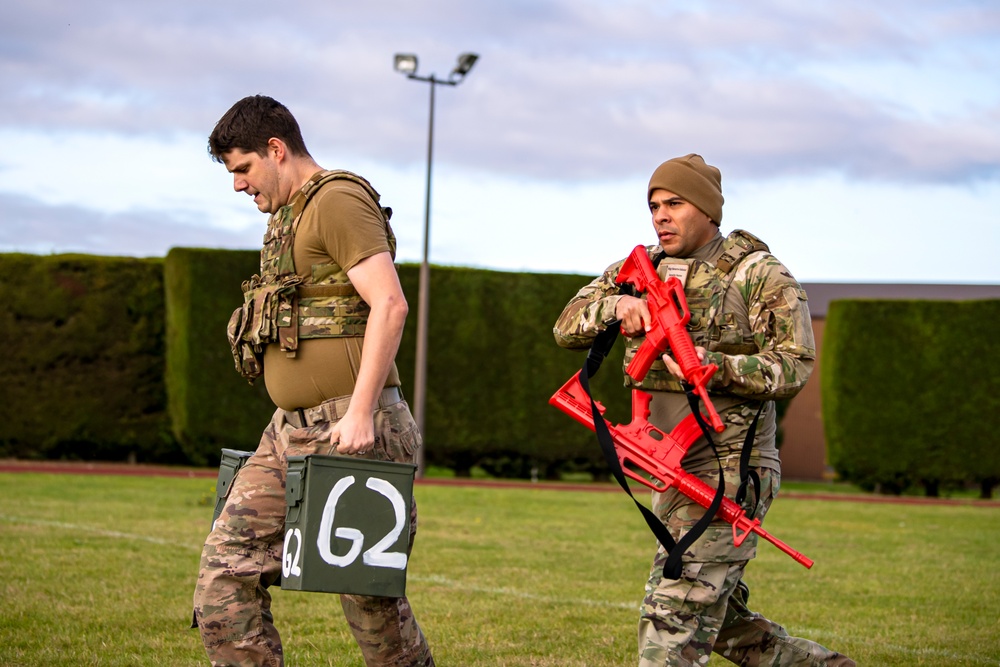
(696, 531)
(749, 476)
(598, 351)
(602, 345)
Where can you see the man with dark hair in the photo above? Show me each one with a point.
(325, 341)
(750, 318)
(249, 124)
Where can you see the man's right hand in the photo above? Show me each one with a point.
(354, 433)
(634, 314)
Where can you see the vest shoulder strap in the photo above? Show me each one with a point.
(323, 177)
(738, 245)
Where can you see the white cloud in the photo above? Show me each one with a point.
(807, 108)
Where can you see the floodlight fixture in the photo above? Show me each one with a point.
(465, 63)
(405, 63)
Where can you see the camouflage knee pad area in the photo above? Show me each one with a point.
(386, 631)
(681, 618)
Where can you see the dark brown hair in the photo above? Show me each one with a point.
(250, 123)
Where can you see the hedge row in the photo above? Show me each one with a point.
(910, 394)
(83, 365)
(211, 406)
(114, 358)
(492, 366)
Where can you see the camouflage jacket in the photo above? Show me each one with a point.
(747, 311)
(279, 306)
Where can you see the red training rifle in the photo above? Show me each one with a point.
(642, 445)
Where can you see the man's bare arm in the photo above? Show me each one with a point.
(377, 282)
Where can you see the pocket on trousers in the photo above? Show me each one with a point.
(309, 440)
(397, 434)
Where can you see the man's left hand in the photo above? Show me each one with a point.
(675, 368)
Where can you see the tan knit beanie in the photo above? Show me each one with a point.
(691, 179)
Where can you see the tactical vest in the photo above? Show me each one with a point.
(705, 289)
(279, 306)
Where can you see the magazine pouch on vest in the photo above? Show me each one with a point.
(256, 323)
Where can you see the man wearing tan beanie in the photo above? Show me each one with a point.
(750, 318)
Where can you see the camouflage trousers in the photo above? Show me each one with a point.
(242, 554)
(684, 620)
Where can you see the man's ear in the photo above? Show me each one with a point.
(276, 148)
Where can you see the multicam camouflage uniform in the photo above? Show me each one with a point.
(242, 554)
(751, 316)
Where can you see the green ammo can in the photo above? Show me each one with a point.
(232, 461)
(347, 525)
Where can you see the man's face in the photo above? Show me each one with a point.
(257, 176)
(680, 225)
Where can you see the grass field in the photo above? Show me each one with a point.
(99, 570)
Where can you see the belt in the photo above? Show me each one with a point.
(333, 409)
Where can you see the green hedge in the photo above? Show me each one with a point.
(83, 365)
(211, 405)
(95, 345)
(910, 394)
(113, 358)
(492, 366)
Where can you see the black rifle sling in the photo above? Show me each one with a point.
(748, 476)
(602, 345)
(598, 351)
(696, 531)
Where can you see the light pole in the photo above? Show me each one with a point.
(406, 63)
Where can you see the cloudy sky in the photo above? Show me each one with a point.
(860, 139)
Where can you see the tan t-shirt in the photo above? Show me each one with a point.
(343, 224)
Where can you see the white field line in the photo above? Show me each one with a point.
(71, 527)
(819, 635)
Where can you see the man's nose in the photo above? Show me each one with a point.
(239, 184)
